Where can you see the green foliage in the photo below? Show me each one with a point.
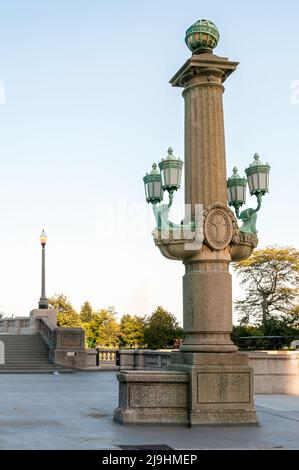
(161, 329)
(66, 314)
(270, 277)
(132, 331)
(272, 328)
(102, 330)
(86, 312)
(157, 331)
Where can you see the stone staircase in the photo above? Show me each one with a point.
(26, 354)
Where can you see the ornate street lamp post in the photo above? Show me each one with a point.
(208, 369)
(43, 301)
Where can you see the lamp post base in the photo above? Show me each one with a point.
(43, 304)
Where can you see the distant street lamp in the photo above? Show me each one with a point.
(43, 301)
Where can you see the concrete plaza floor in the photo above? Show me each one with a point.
(74, 411)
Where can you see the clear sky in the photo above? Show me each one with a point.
(88, 108)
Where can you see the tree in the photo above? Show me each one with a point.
(161, 329)
(270, 277)
(86, 312)
(275, 333)
(132, 331)
(66, 314)
(103, 329)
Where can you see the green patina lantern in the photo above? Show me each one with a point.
(258, 176)
(202, 36)
(171, 171)
(236, 189)
(153, 186)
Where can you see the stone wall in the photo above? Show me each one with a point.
(274, 371)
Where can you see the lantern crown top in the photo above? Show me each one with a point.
(235, 174)
(235, 179)
(169, 152)
(257, 165)
(202, 36)
(170, 156)
(154, 169)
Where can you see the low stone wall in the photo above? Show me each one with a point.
(274, 371)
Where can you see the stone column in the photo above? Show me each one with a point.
(205, 169)
(207, 290)
(207, 304)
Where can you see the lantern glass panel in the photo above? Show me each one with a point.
(263, 182)
(174, 176)
(150, 189)
(157, 189)
(250, 183)
(229, 195)
(240, 190)
(146, 190)
(255, 181)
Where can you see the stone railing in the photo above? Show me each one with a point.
(101, 359)
(46, 330)
(107, 355)
(15, 325)
(66, 345)
(139, 359)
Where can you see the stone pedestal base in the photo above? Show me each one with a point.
(199, 389)
(150, 397)
(220, 389)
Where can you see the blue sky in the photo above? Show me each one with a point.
(88, 108)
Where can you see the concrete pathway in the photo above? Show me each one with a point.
(74, 411)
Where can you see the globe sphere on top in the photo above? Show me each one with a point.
(202, 36)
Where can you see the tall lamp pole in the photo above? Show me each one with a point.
(218, 379)
(43, 301)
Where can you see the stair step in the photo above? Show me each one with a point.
(26, 353)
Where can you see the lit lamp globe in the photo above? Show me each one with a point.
(43, 239)
(153, 186)
(258, 176)
(202, 36)
(236, 189)
(171, 171)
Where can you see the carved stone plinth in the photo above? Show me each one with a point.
(152, 397)
(220, 390)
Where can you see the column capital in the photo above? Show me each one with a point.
(209, 65)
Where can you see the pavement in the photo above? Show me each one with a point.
(74, 411)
